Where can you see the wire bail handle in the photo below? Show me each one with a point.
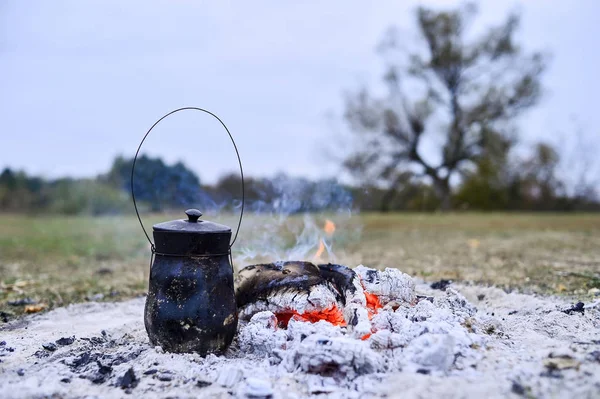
(236, 153)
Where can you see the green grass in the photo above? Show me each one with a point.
(61, 260)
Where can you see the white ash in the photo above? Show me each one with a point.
(357, 318)
(256, 388)
(354, 311)
(261, 334)
(422, 311)
(230, 377)
(456, 303)
(386, 339)
(338, 357)
(392, 321)
(432, 352)
(297, 330)
(358, 296)
(389, 284)
(511, 345)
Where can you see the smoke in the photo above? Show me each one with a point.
(287, 227)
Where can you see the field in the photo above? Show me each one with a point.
(55, 261)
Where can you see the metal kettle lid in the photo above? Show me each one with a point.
(191, 225)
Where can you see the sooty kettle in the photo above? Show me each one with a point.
(191, 306)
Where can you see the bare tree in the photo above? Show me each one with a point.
(580, 168)
(469, 91)
(539, 175)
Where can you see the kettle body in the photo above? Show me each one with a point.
(191, 304)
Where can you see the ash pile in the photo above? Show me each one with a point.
(326, 330)
(341, 327)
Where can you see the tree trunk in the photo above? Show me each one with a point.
(387, 199)
(442, 189)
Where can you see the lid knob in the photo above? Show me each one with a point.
(193, 215)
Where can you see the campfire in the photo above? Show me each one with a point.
(309, 292)
(332, 321)
(334, 293)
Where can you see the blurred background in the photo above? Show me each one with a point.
(450, 139)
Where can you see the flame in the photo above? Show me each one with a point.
(320, 250)
(329, 227)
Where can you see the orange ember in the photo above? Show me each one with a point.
(329, 227)
(373, 302)
(333, 315)
(284, 318)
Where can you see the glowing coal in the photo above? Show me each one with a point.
(334, 293)
(289, 289)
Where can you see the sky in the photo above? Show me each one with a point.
(82, 81)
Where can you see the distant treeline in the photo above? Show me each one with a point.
(161, 187)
